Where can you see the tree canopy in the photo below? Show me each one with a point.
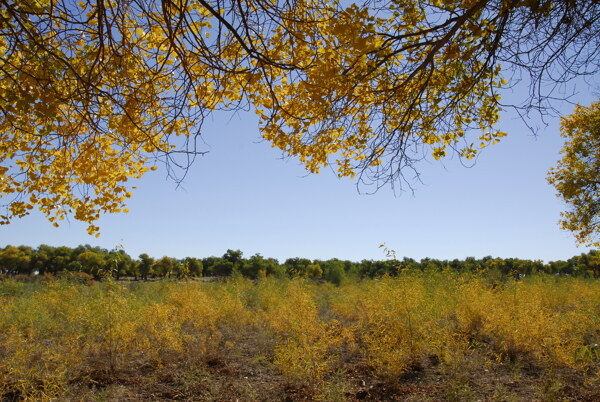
(99, 263)
(577, 175)
(94, 93)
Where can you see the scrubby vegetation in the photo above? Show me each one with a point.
(427, 335)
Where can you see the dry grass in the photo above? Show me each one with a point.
(421, 336)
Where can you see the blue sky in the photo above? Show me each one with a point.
(242, 195)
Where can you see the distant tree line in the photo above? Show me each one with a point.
(99, 263)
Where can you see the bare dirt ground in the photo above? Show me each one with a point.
(242, 375)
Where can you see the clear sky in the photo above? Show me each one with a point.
(242, 195)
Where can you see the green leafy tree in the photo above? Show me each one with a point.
(193, 266)
(120, 262)
(93, 263)
(61, 258)
(255, 267)
(165, 267)
(222, 268)
(145, 265)
(334, 272)
(209, 263)
(233, 256)
(296, 266)
(40, 260)
(16, 260)
(313, 271)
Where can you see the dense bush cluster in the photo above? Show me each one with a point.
(116, 263)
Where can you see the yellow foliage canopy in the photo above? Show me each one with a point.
(576, 177)
(94, 93)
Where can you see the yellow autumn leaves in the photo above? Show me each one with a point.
(81, 111)
(93, 94)
(577, 175)
(368, 81)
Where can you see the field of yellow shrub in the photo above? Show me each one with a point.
(57, 335)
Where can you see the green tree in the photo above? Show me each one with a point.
(61, 258)
(233, 256)
(222, 268)
(165, 267)
(145, 266)
(334, 272)
(120, 263)
(255, 267)
(313, 271)
(93, 263)
(577, 175)
(208, 263)
(193, 266)
(296, 266)
(16, 260)
(41, 259)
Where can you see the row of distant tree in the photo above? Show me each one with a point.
(116, 263)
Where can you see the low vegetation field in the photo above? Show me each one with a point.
(417, 336)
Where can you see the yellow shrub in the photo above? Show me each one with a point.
(60, 332)
(549, 319)
(39, 352)
(302, 352)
